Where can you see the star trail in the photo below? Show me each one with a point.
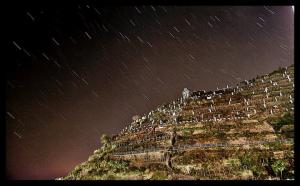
(82, 70)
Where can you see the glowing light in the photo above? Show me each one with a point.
(293, 8)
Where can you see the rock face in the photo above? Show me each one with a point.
(252, 135)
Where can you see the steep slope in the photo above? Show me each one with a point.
(242, 132)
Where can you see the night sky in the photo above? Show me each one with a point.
(78, 71)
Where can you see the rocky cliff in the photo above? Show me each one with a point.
(241, 132)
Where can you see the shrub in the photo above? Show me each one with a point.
(279, 70)
(274, 145)
(246, 160)
(117, 164)
(104, 139)
(257, 170)
(233, 162)
(278, 166)
(287, 119)
(186, 133)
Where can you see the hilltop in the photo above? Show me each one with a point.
(240, 132)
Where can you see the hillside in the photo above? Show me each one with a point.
(241, 132)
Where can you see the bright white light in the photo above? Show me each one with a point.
(293, 8)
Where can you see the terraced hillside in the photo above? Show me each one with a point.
(242, 132)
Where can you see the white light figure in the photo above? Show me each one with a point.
(185, 93)
(288, 77)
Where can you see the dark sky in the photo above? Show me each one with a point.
(80, 71)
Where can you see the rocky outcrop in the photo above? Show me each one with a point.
(192, 137)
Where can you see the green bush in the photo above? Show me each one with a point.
(117, 164)
(246, 160)
(257, 170)
(278, 166)
(274, 145)
(233, 162)
(104, 139)
(279, 70)
(287, 119)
